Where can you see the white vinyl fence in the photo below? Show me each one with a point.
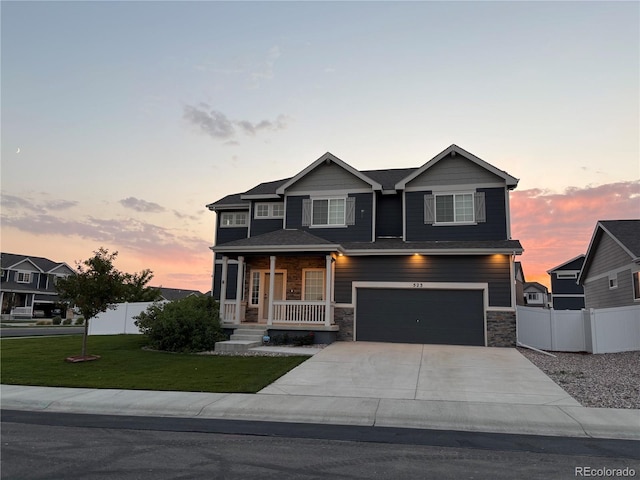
(606, 330)
(119, 320)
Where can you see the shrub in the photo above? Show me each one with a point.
(43, 322)
(297, 340)
(56, 320)
(66, 321)
(80, 321)
(188, 325)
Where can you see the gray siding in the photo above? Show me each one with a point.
(388, 215)
(232, 275)
(265, 225)
(454, 171)
(608, 256)
(360, 232)
(599, 295)
(224, 235)
(493, 270)
(495, 228)
(326, 178)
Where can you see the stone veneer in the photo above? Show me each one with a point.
(343, 317)
(501, 329)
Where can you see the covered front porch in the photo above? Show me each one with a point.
(286, 290)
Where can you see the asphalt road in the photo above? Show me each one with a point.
(36, 445)
(39, 331)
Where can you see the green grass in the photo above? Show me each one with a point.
(124, 365)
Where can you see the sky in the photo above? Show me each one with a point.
(122, 120)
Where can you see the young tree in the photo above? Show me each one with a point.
(98, 286)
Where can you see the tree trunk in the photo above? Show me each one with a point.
(84, 337)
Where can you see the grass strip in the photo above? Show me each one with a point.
(125, 365)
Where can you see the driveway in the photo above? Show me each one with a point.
(422, 372)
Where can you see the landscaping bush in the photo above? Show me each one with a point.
(80, 321)
(43, 322)
(188, 325)
(297, 340)
(56, 320)
(66, 321)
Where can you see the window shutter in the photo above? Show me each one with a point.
(350, 212)
(481, 211)
(429, 209)
(306, 212)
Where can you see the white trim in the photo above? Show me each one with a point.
(567, 295)
(567, 274)
(304, 279)
(234, 215)
(507, 209)
(329, 193)
(24, 273)
(229, 262)
(426, 286)
(559, 267)
(446, 188)
(440, 251)
(453, 194)
(629, 266)
(404, 216)
(228, 206)
(270, 215)
(328, 198)
(374, 203)
(281, 248)
(24, 259)
(344, 305)
(262, 272)
(264, 196)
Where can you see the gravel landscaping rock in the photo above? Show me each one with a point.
(609, 380)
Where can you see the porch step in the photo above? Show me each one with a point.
(236, 345)
(254, 334)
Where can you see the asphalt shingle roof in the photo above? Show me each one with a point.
(627, 232)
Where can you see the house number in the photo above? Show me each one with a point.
(417, 285)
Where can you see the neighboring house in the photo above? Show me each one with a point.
(610, 271)
(171, 294)
(519, 282)
(28, 286)
(536, 295)
(566, 292)
(415, 255)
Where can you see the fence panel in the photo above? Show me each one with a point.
(616, 329)
(118, 320)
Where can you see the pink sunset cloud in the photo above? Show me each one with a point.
(555, 227)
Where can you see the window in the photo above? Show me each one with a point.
(313, 285)
(233, 219)
(329, 211)
(255, 288)
(636, 285)
(452, 208)
(533, 297)
(566, 275)
(613, 281)
(23, 277)
(269, 210)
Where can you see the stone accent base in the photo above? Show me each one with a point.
(343, 317)
(501, 329)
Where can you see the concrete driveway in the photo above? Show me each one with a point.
(422, 372)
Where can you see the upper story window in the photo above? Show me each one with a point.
(454, 208)
(636, 285)
(533, 297)
(23, 277)
(269, 210)
(233, 219)
(613, 281)
(328, 212)
(563, 276)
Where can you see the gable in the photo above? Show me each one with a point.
(25, 266)
(607, 255)
(62, 269)
(327, 177)
(454, 171)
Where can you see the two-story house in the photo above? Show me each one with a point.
(28, 285)
(566, 292)
(412, 255)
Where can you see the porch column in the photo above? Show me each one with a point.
(272, 283)
(223, 286)
(327, 295)
(239, 284)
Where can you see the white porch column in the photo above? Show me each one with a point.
(223, 285)
(327, 296)
(239, 284)
(272, 283)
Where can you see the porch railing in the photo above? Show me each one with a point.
(298, 311)
(21, 312)
(228, 311)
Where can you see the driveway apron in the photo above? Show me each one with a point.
(422, 372)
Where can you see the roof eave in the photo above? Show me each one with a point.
(228, 206)
(278, 248)
(438, 251)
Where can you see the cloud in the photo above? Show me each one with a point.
(141, 205)
(218, 126)
(555, 227)
(14, 203)
(59, 205)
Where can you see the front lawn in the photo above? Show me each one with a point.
(124, 365)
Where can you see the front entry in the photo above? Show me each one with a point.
(278, 293)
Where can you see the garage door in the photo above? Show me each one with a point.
(452, 317)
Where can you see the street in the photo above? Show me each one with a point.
(45, 446)
(39, 331)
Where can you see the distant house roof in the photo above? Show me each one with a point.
(626, 233)
(519, 271)
(535, 286)
(45, 265)
(172, 294)
(574, 264)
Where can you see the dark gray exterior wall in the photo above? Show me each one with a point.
(232, 275)
(388, 215)
(229, 234)
(492, 269)
(360, 232)
(266, 225)
(565, 285)
(568, 303)
(495, 228)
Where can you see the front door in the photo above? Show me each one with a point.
(278, 293)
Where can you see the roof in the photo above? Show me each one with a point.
(511, 182)
(536, 286)
(574, 264)
(228, 202)
(45, 265)
(626, 233)
(299, 241)
(388, 178)
(177, 293)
